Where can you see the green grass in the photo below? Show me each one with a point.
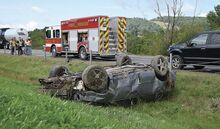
(195, 103)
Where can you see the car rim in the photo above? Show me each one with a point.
(161, 65)
(176, 63)
(83, 54)
(53, 51)
(98, 78)
(98, 75)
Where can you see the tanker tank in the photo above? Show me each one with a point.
(6, 34)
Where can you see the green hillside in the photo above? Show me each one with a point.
(141, 25)
(183, 20)
(194, 104)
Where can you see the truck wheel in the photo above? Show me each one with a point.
(54, 51)
(58, 71)
(160, 65)
(95, 78)
(82, 53)
(123, 60)
(177, 62)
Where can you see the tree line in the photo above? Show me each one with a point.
(178, 29)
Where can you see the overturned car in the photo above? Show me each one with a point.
(125, 81)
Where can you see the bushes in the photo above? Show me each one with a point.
(151, 43)
(213, 18)
(154, 43)
(37, 37)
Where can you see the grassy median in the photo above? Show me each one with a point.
(195, 103)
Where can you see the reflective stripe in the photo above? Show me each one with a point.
(106, 45)
(121, 35)
(101, 21)
(101, 42)
(57, 45)
(104, 35)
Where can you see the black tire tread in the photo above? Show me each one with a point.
(58, 71)
(123, 60)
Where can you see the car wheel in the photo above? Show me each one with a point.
(198, 66)
(177, 62)
(82, 53)
(95, 78)
(58, 71)
(160, 65)
(123, 60)
(54, 51)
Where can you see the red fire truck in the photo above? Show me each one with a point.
(101, 35)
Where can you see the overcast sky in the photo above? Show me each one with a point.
(31, 14)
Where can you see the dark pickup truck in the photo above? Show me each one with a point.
(202, 50)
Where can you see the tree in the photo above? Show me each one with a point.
(213, 18)
(37, 37)
(174, 11)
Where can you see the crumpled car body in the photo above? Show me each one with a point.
(126, 82)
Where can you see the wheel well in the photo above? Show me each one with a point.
(176, 53)
(52, 47)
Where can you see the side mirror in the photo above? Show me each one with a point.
(190, 44)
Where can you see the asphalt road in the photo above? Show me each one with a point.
(135, 59)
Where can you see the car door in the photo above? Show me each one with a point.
(194, 51)
(212, 50)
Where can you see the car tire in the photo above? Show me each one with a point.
(160, 66)
(58, 71)
(82, 53)
(177, 62)
(198, 66)
(54, 51)
(95, 78)
(123, 60)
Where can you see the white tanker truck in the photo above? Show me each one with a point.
(6, 34)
